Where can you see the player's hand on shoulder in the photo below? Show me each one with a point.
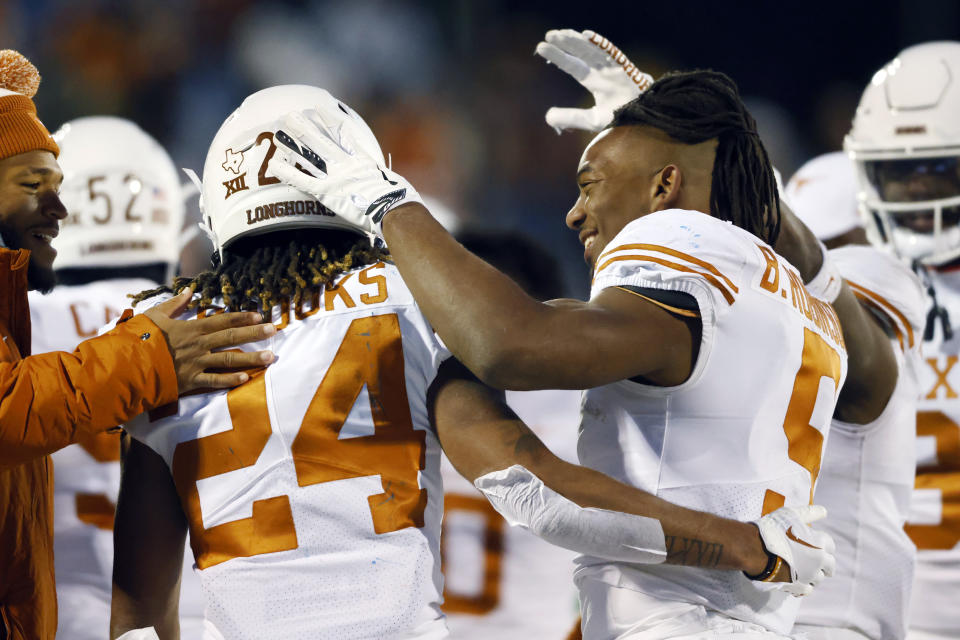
(807, 554)
(322, 159)
(601, 68)
(192, 344)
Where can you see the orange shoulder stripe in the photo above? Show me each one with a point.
(885, 306)
(673, 265)
(676, 254)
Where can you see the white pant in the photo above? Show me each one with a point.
(812, 632)
(615, 613)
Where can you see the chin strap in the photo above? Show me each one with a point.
(936, 311)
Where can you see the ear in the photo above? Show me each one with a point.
(666, 188)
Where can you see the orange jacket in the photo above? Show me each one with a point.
(46, 401)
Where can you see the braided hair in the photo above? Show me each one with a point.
(277, 268)
(694, 106)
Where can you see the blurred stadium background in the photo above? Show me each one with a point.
(451, 87)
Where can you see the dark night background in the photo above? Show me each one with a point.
(452, 89)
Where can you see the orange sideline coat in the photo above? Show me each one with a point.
(45, 402)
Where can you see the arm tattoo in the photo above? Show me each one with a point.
(692, 552)
(526, 445)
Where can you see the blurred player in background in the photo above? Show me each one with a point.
(502, 581)
(905, 142)
(121, 235)
(312, 493)
(868, 469)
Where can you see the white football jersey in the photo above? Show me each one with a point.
(868, 470)
(742, 436)
(934, 522)
(313, 491)
(87, 475)
(502, 581)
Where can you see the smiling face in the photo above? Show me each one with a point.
(628, 172)
(30, 211)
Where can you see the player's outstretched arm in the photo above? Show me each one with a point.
(589, 512)
(872, 368)
(503, 335)
(141, 364)
(512, 341)
(148, 538)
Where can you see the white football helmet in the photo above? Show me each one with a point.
(823, 194)
(905, 142)
(239, 196)
(122, 193)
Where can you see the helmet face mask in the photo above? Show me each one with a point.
(239, 197)
(905, 143)
(913, 205)
(125, 206)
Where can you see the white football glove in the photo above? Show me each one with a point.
(598, 65)
(786, 533)
(322, 160)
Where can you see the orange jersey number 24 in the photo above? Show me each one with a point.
(370, 354)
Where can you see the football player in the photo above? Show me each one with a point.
(872, 587)
(312, 493)
(121, 235)
(868, 469)
(711, 371)
(905, 142)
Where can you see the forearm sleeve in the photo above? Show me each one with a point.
(46, 399)
(523, 500)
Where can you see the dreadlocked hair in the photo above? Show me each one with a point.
(695, 106)
(282, 267)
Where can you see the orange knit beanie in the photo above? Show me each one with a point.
(20, 129)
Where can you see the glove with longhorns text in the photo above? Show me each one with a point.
(786, 533)
(598, 65)
(322, 160)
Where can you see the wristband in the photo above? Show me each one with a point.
(828, 282)
(774, 562)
